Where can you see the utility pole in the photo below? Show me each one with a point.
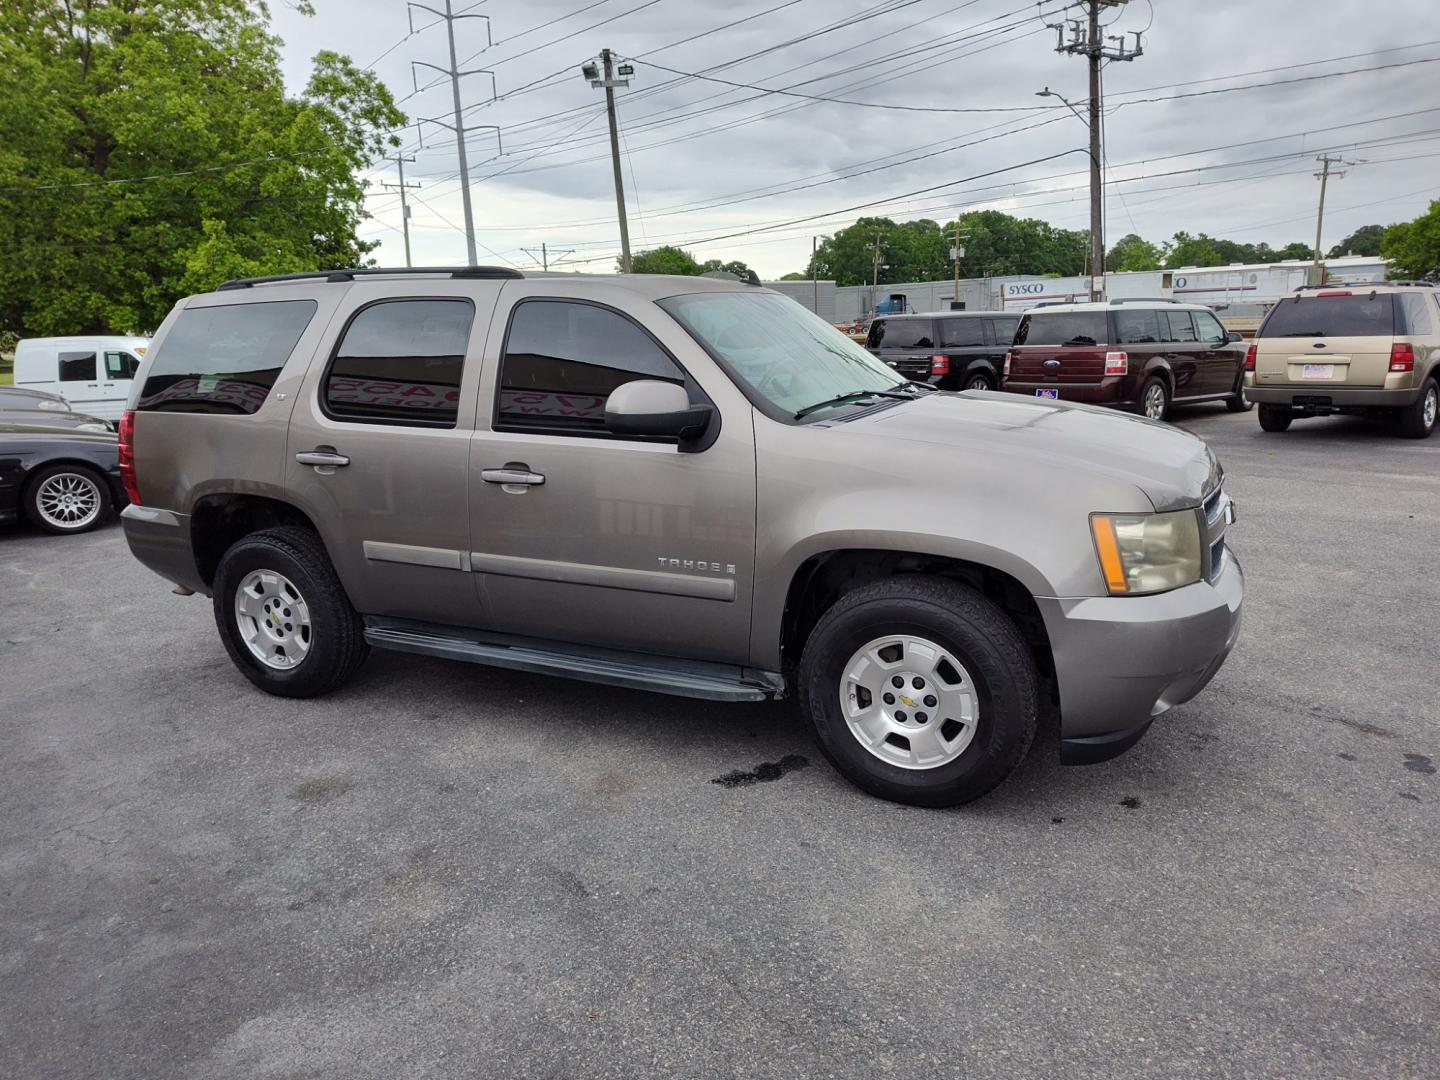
(1316, 274)
(545, 254)
(875, 278)
(1086, 40)
(956, 253)
(609, 82)
(403, 187)
(815, 271)
(458, 127)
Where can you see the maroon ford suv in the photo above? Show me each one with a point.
(1137, 355)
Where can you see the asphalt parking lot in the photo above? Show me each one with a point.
(446, 870)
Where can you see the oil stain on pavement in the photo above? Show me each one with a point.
(762, 773)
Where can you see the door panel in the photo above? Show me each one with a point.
(586, 538)
(78, 371)
(1185, 353)
(1220, 361)
(395, 400)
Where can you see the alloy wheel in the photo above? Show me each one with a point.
(1431, 407)
(1155, 401)
(909, 702)
(69, 501)
(273, 618)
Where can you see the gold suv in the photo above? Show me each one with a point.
(1350, 349)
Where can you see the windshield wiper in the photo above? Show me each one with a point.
(849, 396)
(916, 385)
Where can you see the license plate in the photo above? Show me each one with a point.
(1048, 393)
(1318, 371)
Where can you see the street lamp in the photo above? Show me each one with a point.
(1097, 193)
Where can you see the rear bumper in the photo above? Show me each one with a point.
(1122, 661)
(1320, 398)
(161, 540)
(1114, 391)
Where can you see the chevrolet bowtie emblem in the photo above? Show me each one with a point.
(907, 701)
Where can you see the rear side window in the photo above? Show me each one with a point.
(223, 359)
(1063, 328)
(962, 333)
(77, 367)
(1331, 316)
(903, 334)
(1180, 328)
(1417, 314)
(564, 359)
(399, 362)
(1005, 330)
(1136, 326)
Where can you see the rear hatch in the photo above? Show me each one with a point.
(1328, 338)
(906, 344)
(1060, 347)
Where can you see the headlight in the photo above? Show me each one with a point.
(54, 406)
(1147, 553)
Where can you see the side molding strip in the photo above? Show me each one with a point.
(606, 577)
(443, 558)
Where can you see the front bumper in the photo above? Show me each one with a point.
(1318, 399)
(1121, 661)
(161, 540)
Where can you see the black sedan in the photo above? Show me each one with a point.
(21, 406)
(59, 479)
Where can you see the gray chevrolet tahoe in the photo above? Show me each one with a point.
(683, 485)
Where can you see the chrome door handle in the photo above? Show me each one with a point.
(512, 475)
(322, 459)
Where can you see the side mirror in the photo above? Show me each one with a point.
(1233, 336)
(655, 409)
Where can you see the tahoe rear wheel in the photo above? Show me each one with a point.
(1154, 399)
(920, 690)
(283, 615)
(1417, 421)
(1275, 418)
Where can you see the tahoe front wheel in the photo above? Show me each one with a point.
(283, 615)
(920, 690)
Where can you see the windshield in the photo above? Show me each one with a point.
(1331, 316)
(787, 355)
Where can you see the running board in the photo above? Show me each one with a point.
(636, 671)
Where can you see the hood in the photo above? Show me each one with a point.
(1172, 467)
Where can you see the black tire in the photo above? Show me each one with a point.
(88, 481)
(978, 380)
(1275, 418)
(1240, 401)
(337, 645)
(1413, 424)
(1146, 390)
(978, 633)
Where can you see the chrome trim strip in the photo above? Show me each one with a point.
(414, 555)
(605, 577)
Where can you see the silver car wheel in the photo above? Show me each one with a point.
(978, 382)
(1431, 407)
(909, 702)
(273, 618)
(69, 501)
(1155, 401)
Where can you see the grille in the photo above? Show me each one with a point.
(1216, 511)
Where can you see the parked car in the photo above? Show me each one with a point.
(50, 410)
(59, 479)
(1351, 349)
(959, 350)
(689, 486)
(1141, 355)
(92, 373)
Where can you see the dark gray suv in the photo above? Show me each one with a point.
(689, 486)
(954, 350)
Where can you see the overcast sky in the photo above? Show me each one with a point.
(706, 159)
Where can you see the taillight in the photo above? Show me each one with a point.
(1117, 363)
(1250, 357)
(1334, 292)
(127, 456)
(939, 365)
(1007, 365)
(1402, 356)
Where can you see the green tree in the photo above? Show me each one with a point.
(1365, 240)
(795, 275)
(1133, 253)
(662, 260)
(1297, 250)
(148, 148)
(734, 266)
(1187, 250)
(1414, 246)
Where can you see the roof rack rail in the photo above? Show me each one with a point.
(1364, 284)
(1148, 300)
(484, 273)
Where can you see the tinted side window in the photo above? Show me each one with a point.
(120, 365)
(1209, 328)
(1136, 326)
(1063, 328)
(399, 362)
(77, 367)
(904, 334)
(962, 333)
(564, 359)
(1005, 330)
(223, 359)
(1180, 327)
(1417, 314)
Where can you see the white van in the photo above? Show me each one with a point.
(92, 373)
